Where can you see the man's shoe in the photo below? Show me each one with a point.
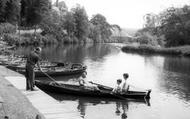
(34, 89)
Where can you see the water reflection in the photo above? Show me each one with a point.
(72, 53)
(173, 83)
(168, 77)
(177, 64)
(121, 106)
(171, 74)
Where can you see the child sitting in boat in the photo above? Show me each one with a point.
(125, 86)
(83, 82)
(82, 78)
(118, 88)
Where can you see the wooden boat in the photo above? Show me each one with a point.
(104, 92)
(11, 60)
(20, 65)
(93, 100)
(55, 69)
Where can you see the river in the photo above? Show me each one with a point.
(167, 76)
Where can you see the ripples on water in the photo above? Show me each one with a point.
(168, 77)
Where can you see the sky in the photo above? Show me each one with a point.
(125, 13)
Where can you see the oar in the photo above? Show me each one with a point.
(49, 76)
(139, 88)
(106, 87)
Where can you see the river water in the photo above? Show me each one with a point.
(167, 76)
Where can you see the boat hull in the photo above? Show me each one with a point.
(82, 91)
(55, 73)
(54, 70)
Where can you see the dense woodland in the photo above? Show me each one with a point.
(169, 28)
(56, 23)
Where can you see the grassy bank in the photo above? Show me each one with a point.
(146, 49)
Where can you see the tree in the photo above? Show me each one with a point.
(32, 11)
(151, 20)
(81, 21)
(174, 26)
(51, 25)
(69, 24)
(56, 3)
(171, 27)
(62, 6)
(9, 11)
(95, 33)
(118, 28)
(99, 21)
(2, 10)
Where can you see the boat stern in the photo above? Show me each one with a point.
(148, 94)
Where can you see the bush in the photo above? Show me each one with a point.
(6, 28)
(29, 39)
(49, 39)
(11, 39)
(148, 39)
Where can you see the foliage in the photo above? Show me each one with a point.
(149, 37)
(62, 6)
(100, 23)
(32, 11)
(57, 23)
(51, 24)
(81, 21)
(95, 33)
(11, 39)
(69, 24)
(171, 27)
(151, 20)
(9, 11)
(29, 39)
(175, 26)
(6, 28)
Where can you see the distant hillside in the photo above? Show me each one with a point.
(125, 32)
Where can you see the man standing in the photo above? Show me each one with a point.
(32, 59)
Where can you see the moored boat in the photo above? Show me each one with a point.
(14, 60)
(93, 100)
(105, 91)
(53, 69)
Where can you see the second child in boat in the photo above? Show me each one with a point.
(118, 88)
(125, 86)
(84, 83)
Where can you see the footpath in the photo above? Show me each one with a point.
(14, 104)
(21, 104)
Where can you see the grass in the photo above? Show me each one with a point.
(146, 49)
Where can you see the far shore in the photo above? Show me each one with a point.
(147, 49)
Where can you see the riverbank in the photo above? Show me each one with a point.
(15, 104)
(146, 49)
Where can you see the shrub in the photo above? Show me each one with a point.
(6, 28)
(48, 39)
(29, 39)
(11, 39)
